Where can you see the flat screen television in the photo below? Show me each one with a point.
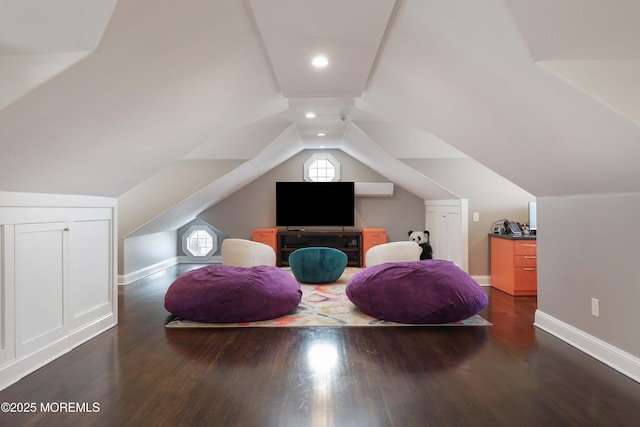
(315, 204)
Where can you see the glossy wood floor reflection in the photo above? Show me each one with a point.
(509, 374)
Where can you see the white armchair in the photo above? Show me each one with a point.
(393, 252)
(247, 253)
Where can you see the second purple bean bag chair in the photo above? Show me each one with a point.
(428, 291)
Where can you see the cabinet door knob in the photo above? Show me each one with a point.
(66, 229)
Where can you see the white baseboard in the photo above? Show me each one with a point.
(482, 280)
(19, 368)
(92, 329)
(146, 271)
(623, 362)
(216, 259)
(129, 278)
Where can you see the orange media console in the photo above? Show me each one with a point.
(354, 243)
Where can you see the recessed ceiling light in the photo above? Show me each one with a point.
(322, 146)
(321, 134)
(320, 61)
(310, 115)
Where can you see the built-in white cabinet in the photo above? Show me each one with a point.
(57, 277)
(40, 259)
(92, 282)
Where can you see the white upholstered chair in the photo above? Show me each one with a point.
(247, 253)
(393, 252)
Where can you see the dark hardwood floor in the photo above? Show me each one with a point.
(142, 374)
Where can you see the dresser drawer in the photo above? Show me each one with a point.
(527, 279)
(266, 235)
(374, 236)
(265, 232)
(524, 248)
(524, 261)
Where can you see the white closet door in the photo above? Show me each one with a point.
(40, 274)
(446, 221)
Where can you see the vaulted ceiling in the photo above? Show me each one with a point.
(96, 97)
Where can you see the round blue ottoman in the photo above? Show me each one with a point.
(229, 294)
(428, 291)
(317, 264)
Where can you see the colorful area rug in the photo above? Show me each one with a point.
(323, 305)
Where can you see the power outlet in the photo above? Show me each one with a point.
(595, 307)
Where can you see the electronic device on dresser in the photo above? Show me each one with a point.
(512, 228)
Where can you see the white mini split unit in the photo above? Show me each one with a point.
(374, 189)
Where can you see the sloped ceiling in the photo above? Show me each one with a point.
(544, 92)
(40, 39)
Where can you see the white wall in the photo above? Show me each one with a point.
(588, 248)
(159, 193)
(166, 189)
(144, 255)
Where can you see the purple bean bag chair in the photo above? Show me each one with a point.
(229, 294)
(427, 291)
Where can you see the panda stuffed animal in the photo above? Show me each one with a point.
(422, 239)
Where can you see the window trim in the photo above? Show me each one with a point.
(322, 156)
(185, 244)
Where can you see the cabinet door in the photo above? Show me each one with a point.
(90, 283)
(40, 273)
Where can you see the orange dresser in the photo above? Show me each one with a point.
(370, 238)
(268, 236)
(514, 265)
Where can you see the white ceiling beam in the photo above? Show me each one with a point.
(358, 145)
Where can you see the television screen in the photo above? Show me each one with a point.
(315, 204)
